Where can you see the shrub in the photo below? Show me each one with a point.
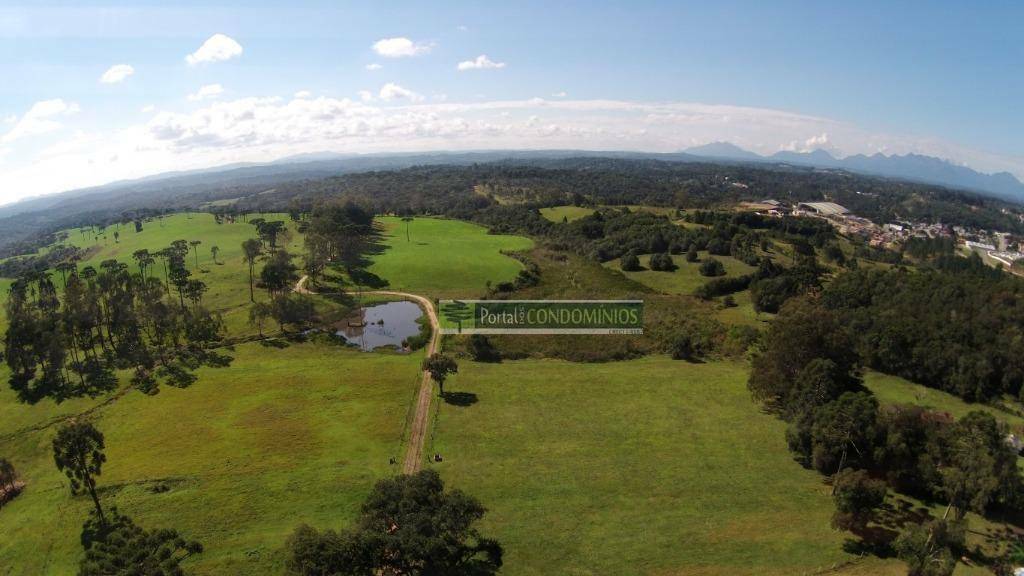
(630, 263)
(691, 253)
(856, 496)
(482, 350)
(712, 267)
(718, 247)
(662, 262)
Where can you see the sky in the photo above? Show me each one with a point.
(96, 93)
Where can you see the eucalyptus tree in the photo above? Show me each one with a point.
(251, 250)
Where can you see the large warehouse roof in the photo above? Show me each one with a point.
(824, 208)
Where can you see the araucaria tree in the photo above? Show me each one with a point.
(408, 525)
(119, 546)
(78, 453)
(64, 345)
(440, 367)
(278, 273)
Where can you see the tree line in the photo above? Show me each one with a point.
(808, 372)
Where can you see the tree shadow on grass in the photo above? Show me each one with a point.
(893, 517)
(275, 343)
(460, 399)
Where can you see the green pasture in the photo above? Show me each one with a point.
(566, 213)
(895, 390)
(650, 466)
(685, 278)
(444, 257)
(283, 436)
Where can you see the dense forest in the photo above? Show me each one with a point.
(469, 190)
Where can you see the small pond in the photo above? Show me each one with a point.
(383, 325)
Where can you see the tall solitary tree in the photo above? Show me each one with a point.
(440, 367)
(78, 453)
(213, 252)
(251, 249)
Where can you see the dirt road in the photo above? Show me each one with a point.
(418, 431)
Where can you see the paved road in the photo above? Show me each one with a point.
(418, 432)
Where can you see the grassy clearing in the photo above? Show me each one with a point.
(895, 390)
(570, 213)
(444, 257)
(566, 213)
(685, 278)
(283, 436)
(649, 466)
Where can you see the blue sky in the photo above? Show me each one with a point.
(938, 78)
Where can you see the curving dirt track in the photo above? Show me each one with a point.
(418, 431)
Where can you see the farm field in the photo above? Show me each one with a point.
(651, 466)
(283, 436)
(685, 278)
(444, 257)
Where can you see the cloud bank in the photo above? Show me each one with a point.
(398, 119)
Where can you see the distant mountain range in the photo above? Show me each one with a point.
(916, 167)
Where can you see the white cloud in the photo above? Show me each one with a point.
(302, 94)
(40, 119)
(561, 94)
(366, 95)
(216, 48)
(373, 66)
(10, 119)
(481, 62)
(819, 142)
(392, 91)
(117, 73)
(207, 92)
(399, 47)
(148, 108)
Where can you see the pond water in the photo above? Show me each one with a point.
(384, 325)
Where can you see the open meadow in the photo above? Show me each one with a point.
(239, 459)
(650, 466)
(444, 258)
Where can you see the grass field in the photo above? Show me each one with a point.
(283, 436)
(565, 213)
(895, 390)
(445, 257)
(649, 466)
(570, 213)
(685, 278)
